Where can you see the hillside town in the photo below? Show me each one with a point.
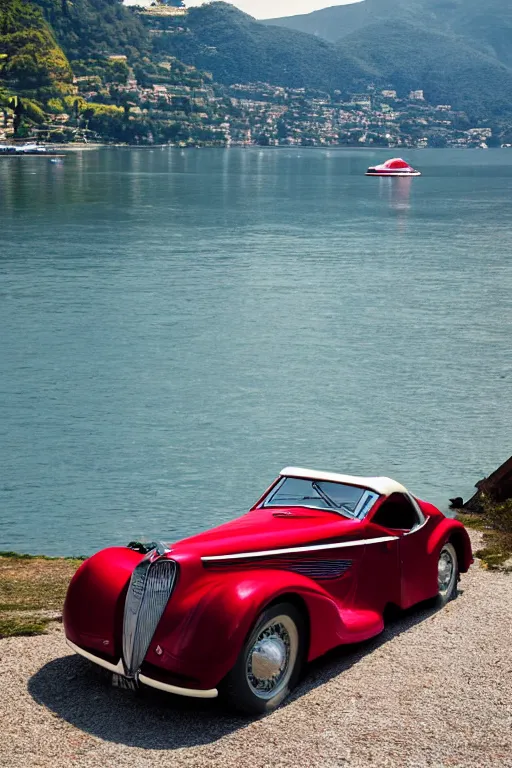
(197, 112)
(282, 117)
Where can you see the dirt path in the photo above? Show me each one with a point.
(434, 690)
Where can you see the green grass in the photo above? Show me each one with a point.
(476, 522)
(14, 627)
(23, 556)
(495, 554)
(30, 586)
(494, 523)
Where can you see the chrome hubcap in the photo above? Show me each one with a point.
(268, 659)
(271, 658)
(445, 569)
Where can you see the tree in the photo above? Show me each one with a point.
(282, 129)
(117, 72)
(437, 141)
(17, 106)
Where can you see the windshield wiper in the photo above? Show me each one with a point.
(339, 507)
(324, 496)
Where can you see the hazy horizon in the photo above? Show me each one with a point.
(271, 9)
(268, 9)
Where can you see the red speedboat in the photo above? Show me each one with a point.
(394, 167)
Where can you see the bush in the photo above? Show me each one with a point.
(498, 514)
(494, 519)
(33, 111)
(55, 106)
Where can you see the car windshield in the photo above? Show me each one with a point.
(320, 494)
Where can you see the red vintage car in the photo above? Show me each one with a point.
(239, 609)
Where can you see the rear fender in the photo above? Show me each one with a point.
(453, 531)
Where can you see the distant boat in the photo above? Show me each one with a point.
(394, 167)
(21, 150)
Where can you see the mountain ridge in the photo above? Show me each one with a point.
(236, 48)
(486, 23)
(448, 71)
(451, 68)
(458, 51)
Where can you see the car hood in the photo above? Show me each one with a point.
(268, 529)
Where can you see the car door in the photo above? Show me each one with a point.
(380, 572)
(400, 518)
(418, 567)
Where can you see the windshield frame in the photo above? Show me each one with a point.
(365, 503)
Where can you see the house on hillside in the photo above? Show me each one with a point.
(166, 8)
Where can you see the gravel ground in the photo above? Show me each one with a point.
(434, 690)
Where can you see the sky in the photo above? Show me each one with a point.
(269, 9)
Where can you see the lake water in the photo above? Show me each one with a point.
(177, 326)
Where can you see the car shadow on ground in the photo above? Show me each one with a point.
(78, 692)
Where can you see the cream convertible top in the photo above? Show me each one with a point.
(384, 486)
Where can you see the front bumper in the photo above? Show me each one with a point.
(118, 669)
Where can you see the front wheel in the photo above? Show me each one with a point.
(269, 664)
(447, 573)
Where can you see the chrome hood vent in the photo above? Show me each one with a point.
(150, 588)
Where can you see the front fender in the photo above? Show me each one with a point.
(205, 643)
(94, 605)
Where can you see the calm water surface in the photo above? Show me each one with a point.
(175, 327)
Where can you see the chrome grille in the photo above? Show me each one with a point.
(149, 591)
(138, 583)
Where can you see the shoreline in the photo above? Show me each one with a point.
(81, 146)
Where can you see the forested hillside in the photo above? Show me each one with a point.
(448, 70)
(94, 28)
(401, 44)
(86, 70)
(485, 23)
(237, 49)
(334, 22)
(32, 61)
(459, 51)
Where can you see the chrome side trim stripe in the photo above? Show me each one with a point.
(293, 550)
(118, 669)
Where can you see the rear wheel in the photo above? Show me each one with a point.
(447, 573)
(269, 664)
